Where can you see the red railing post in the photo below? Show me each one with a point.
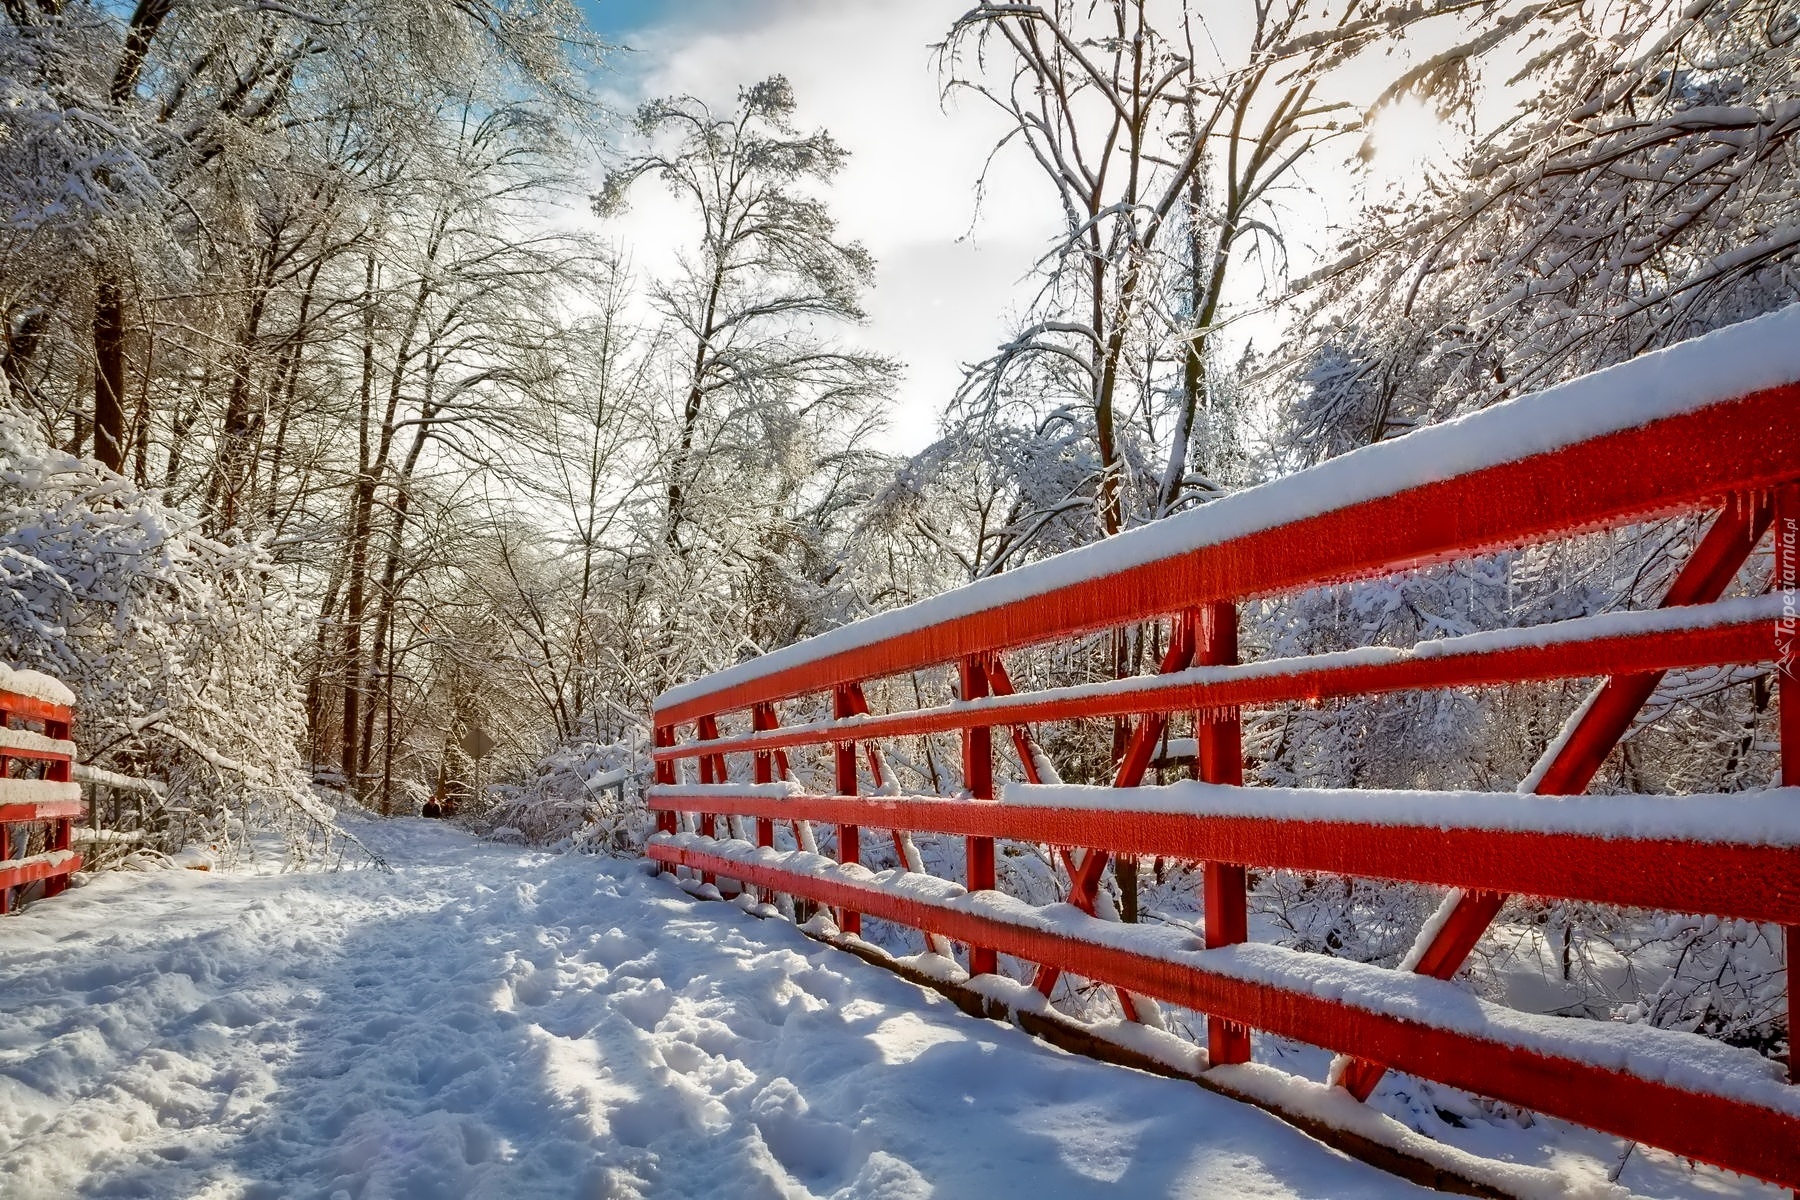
(1140, 747)
(663, 736)
(762, 719)
(1787, 658)
(858, 706)
(1219, 737)
(707, 729)
(849, 837)
(6, 893)
(62, 831)
(978, 778)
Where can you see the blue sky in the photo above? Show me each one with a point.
(616, 19)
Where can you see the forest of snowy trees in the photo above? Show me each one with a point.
(337, 422)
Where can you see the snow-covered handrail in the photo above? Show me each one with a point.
(49, 797)
(1660, 639)
(1698, 420)
(1711, 426)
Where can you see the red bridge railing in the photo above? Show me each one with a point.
(1711, 426)
(39, 800)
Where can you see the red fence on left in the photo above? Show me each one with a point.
(39, 800)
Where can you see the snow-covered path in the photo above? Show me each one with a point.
(495, 1023)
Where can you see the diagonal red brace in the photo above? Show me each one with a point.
(856, 704)
(1084, 878)
(1000, 684)
(1606, 719)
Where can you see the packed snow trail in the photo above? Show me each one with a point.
(496, 1023)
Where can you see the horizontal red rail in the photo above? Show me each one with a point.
(1755, 882)
(57, 863)
(1732, 1133)
(1312, 678)
(30, 708)
(36, 754)
(48, 810)
(1680, 463)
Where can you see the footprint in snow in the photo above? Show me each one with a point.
(645, 1005)
(811, 1149)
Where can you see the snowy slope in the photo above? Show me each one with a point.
(493, 1023)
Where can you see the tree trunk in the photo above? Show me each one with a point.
(372, 464)
(690, 416)
(140, 437)
(109, 372)
(381, 657)
(361, 508)
(322, 657)
(1193, 358)
(185, 416)
(241, 423)
(147, 17)
(289, 374)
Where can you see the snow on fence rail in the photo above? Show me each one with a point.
(37, 790)
(1705, 427)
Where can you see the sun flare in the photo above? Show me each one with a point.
(1406, 137)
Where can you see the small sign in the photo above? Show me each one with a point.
(477, 744)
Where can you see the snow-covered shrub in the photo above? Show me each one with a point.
(582, 796)
(179, 648)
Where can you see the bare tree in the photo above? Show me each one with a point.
(1641, 193)
(1162, 149)
(766, 264)
(769, 407)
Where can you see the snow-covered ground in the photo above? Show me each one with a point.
(491, 1022)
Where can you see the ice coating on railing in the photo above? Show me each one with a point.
(26, 742)
(1764, 818)
(38, 791)
(1732, 362)
(1744, 610)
